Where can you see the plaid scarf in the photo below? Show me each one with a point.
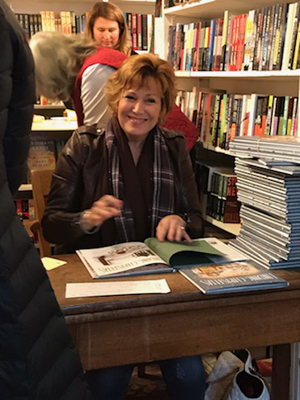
(162, 177)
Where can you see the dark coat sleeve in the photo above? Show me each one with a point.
(189, 207)
(17, 90)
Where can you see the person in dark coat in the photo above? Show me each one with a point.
(38, 360)
(128, 182)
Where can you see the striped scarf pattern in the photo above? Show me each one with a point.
(163, 185)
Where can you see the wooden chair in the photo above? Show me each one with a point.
(41, 183)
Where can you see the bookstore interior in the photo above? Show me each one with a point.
(237, 65)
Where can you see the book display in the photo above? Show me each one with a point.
(136, 258)
(270, 213)
(232, 277)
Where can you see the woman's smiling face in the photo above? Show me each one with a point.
(139, 109)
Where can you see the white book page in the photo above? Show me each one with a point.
(117, 258)
(227, 251)
(116, 288)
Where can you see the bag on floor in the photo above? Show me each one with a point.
(247, 384)
(234, 378)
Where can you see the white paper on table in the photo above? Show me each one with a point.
(116, 288)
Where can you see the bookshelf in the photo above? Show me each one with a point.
(47, 130)
(285, 82)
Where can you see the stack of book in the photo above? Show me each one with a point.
(270, 212)
(273, 149)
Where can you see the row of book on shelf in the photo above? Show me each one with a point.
(217, 192)
(262, 39)
(65, 21)
(25, 209)
(140, 25)
(221, 116)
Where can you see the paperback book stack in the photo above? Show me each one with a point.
(277, 149)
(269, 191)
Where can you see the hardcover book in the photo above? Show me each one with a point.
(137, 258)
(232, 277)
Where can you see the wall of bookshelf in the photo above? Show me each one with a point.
(283, 82)
(264, 82)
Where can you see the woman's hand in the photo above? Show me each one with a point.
(172, 227)
(106, 207)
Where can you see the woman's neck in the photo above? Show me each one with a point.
(136, 149)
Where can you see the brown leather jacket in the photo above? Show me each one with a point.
(80, 179)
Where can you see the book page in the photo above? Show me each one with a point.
(199, 251)
(116, 288)
(118, 258)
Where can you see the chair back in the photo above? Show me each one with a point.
(41, 184)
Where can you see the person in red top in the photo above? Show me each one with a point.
(71, 67)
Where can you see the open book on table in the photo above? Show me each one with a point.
(137, 258)
(236, 276)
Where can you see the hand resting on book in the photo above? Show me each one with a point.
(172, 228)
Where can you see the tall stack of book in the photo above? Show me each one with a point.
(269, 190)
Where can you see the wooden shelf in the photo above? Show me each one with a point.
(216, 8)
(209, 146)
(264, 75)
(52, 129)
(54, 125)
(49, 107)
(25, 187)
(24, 192)
(234, 229)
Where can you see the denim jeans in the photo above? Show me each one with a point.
(184, 377)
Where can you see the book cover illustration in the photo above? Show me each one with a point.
(41, 154)
(121, 258)
(232, 277)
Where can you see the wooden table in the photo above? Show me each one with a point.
(119, 330)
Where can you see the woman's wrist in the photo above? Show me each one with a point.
(85, 224)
